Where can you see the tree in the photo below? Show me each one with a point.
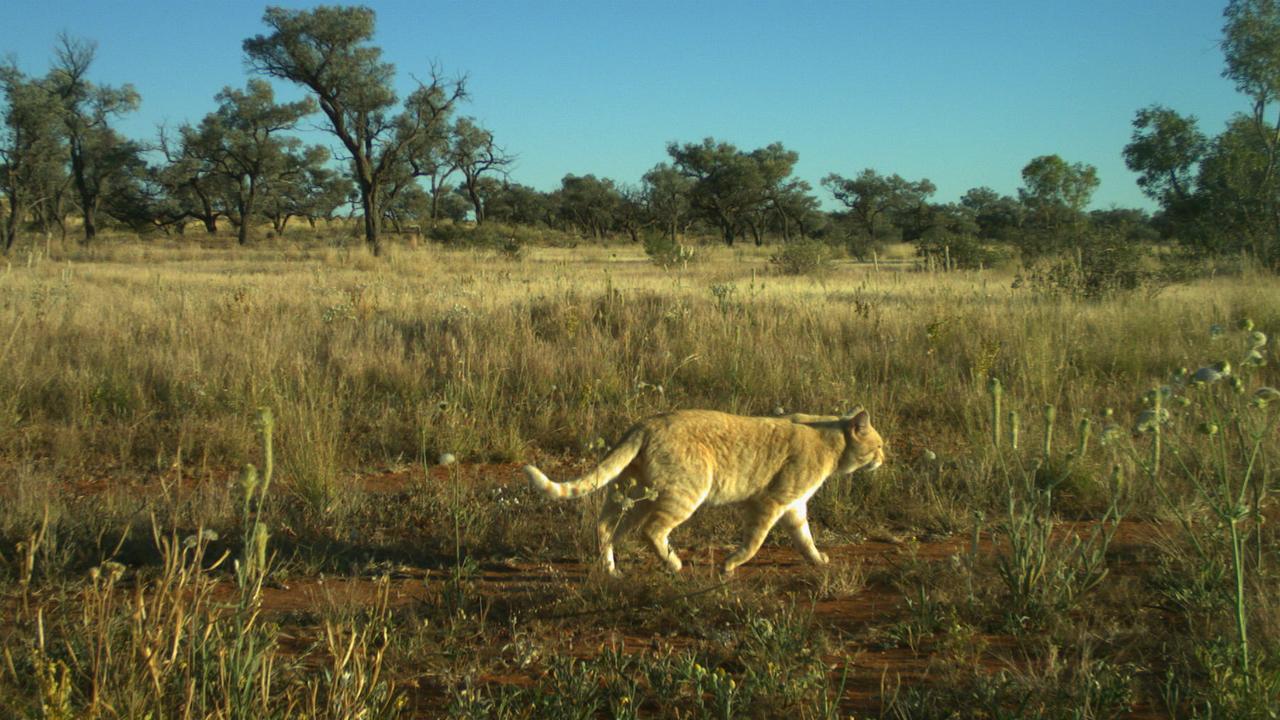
(1251, 46)
(780, 195)
(241, 141)
(100, 157)
(305, 187)
(518, 204)
(31, 151)
(666, 191)
(733, 190)
(999, 217)
(1055, 192)
(192, 187)
(475, 154)
(1164, 150)
(877, 202)
(327, 51)
(589, 204)
(1237, 194)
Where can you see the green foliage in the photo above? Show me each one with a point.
(668, 253)
(804, 257)
(327, 51)
(1104, 264)
(877, 202)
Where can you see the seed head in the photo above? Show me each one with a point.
(1148, 420)
(1264, 396)
(1207, 375)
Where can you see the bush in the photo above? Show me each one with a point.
(959, 251)
(1103, 265)
(667, 253)
(803, 257)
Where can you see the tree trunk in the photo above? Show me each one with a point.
(369, 204)
(90, 223)
(210, 224)
(11, 223)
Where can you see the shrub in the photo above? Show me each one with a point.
(803, 257)
(668, 253)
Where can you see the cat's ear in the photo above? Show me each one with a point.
(860, 422)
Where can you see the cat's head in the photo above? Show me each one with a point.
(864, 448)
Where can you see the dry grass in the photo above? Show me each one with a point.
(143, 365)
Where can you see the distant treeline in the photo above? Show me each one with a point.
(416, 161)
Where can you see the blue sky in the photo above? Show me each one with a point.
(963, 93)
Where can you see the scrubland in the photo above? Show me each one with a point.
(1073, 520)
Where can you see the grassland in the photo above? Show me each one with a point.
(1113, 560)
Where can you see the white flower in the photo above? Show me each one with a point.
(447, 459)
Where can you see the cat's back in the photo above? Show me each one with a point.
(723, 435)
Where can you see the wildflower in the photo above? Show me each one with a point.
(1237, 385)
(1257, 339)
(1254, 359)
(1208, 428)
(446, 459)
(1245, 324)
(930, 455)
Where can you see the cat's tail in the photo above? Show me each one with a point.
(610, 468)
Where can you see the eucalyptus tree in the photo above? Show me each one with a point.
(327, 50)
(101, 158)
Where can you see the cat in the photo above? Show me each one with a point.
(669, 465)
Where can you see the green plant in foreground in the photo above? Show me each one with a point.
(1219, 445)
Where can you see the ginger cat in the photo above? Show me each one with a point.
(667, 466)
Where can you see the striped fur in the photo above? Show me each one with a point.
(606, 472)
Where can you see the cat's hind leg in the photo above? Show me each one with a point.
(617, 517)
(667, 514)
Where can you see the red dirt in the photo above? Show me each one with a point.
(871, 669)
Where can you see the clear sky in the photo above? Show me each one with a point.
(961, 92)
